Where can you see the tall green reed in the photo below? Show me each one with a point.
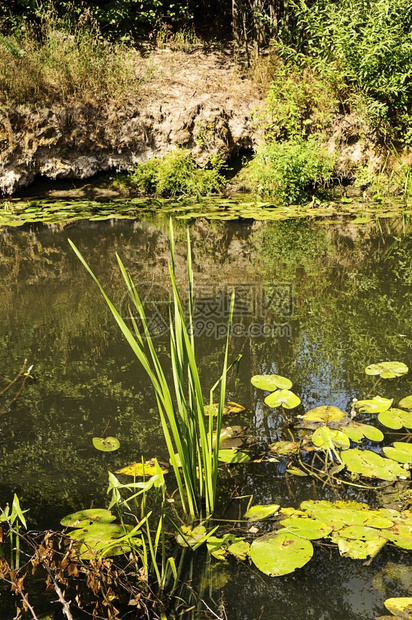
(188, 430)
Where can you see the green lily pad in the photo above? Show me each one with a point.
(190, 536)
(396, 418)
(280, 554)
(359, 549)
(218, 547)
(284, 448)
(372, 465)
(239, 549)
(107, 444)
(233, 456)
(324, 414)
(406, 402)
(82, 518)
(401, 535)
(343, 514)
(401, 452)
(271, 382)
(282, 398)
(375, 405)
(259, 513)
(387, 370)
(327, 439)
(360, 532)
(400, 607)
(306, 527)
(357, 431)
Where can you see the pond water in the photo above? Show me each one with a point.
(316, 302)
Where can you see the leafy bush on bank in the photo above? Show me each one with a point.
(176, 174)
(290, 171)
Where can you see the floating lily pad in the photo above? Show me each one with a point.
(396, 418)
(280, 554)
(401, 535)
(328, 438)
(359, 549)
(399, 607)
(218, 547)
(259, 512)
(324, 414)
(357, 431)
(190, 536)
(375, 405)
(387, 370)
(230, 408)
(284, 448)
(401, 452)
(233, 456)
(306, 527)
(372, 465)
(239, 549)
(406, 402)
(343, 514)
(282, 398)
(106, 444)
(140, 469)
(81, 518)
(271, 382)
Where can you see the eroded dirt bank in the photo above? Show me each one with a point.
(198, 101)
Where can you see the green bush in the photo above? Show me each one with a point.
(362, 46)
(298, 103)
(176, 174)
(290, 171)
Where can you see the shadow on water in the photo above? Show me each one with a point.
(315, 302)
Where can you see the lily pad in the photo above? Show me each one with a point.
(280, 554)
(189, 536)
(372, 465)
(387, 370)
(271, 382)
(239, 549)
(259, 513)
(284, 448)
(343, 514)
(401, 535)
(138, 470)
(396, 418)
(324, 414)
(375, 405)
(81, 518)
(406, 403)
(400, 607)
(357, 431)
(328, 438)
(306, 527)
(106, 444)
(233, 456)
(282, 398)
(401, 452)
(359, 549)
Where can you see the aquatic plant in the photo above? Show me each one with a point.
(187, 429)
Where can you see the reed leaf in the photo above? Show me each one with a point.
(187, 431)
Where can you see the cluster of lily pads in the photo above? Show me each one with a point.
(16, 212)
(331, 433)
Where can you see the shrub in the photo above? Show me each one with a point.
(298, 103)
(289, 171)
(176, 174)
(361, 45)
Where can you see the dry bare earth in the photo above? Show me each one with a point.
(197, 100)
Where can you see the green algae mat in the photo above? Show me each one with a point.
(17, 212)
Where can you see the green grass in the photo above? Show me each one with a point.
(66, 63)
